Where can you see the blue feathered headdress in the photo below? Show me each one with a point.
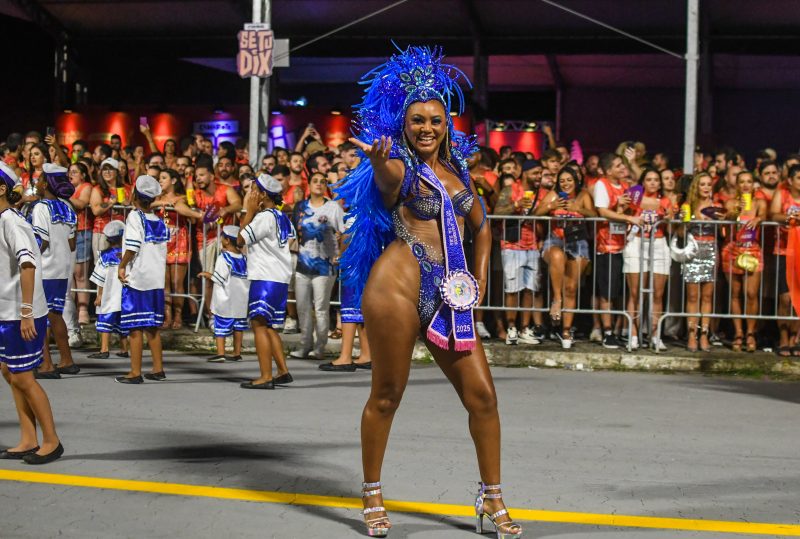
(416, 74)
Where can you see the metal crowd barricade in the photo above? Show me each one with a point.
(587, 284)
(769, 297)
(198, 299)
(722, 299)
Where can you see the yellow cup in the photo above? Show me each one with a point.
(190, 197)
(686, 209)
(120, 195)
(747, 199)
(529, 195)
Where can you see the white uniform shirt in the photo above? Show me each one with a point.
(231, 293)
(106, 274)
(149, 266)
(57, 258)
(18, 245)
(268, 256)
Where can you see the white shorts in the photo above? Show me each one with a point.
(660, 262)
(520, 270)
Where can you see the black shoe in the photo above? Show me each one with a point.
(538, 332)
(610, 341)
(366, 366)
(72, 369)
(48, 375)
(157, 376)
(17, 455)
(122, 354)
(99, 355)
(217, 359)
(55, 454)
(234, 358)
(129, 380)
(331, 367)
(284, 379)
(269, 384)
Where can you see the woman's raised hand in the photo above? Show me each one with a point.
(378, 152)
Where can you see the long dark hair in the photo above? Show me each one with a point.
(175, 176)
(102, 182)
(42, 147)
(575, 177)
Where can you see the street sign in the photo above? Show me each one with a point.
(256, 44)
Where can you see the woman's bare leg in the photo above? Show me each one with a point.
(469, 373)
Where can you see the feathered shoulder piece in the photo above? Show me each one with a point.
(416, 74)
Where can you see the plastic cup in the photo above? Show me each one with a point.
(120, 195)
(529, 195)
(686, 209)
(747, 200)
(190, 197)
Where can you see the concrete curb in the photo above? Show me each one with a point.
(582, 357)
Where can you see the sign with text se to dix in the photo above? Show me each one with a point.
(256, 43)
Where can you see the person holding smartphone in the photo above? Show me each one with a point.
(566, 249)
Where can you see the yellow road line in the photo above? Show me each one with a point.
(263, 496)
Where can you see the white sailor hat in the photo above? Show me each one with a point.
(147, 187)
(53, 170)
(8, 176)
(268, 184)
(114, 229)
(110, 161)
(230, 231)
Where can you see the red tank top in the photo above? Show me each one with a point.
(611, 236)
(787, 203)
(85, 216)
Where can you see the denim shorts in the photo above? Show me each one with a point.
(573, 249)
(83, 246)
(520, 270)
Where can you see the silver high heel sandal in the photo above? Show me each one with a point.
(376, 527)
(504, 530)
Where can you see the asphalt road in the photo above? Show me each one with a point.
(686, 447)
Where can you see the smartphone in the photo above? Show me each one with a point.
(143, 121)
(311, 126)
(51, 131)
(563, 195)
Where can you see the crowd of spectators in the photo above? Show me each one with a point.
(623, 232)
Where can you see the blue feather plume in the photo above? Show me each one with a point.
(416, 74)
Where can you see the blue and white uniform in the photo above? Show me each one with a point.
(351, 306)
(230, 296)
(17, 246)
(269, 265)
(142, 303)
(54, 222)
(106, 274)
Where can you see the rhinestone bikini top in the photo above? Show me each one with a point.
(428, 206)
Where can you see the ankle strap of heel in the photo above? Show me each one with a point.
(365, 486)
(493, 495)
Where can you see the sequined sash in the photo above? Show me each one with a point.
(447, 321)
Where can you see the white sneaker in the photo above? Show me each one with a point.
(634, 342)
(300, 354)
(526, 337)
(290, 325)
(483, 333)
(512, 336)
(658, 345)
(596, 335)
(75, 339)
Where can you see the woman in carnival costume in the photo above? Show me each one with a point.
(410, 201)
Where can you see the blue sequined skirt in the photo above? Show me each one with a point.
(351, 310)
